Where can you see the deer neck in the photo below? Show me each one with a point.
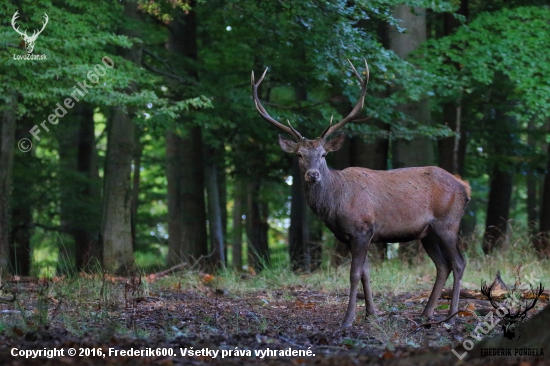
(320, 196)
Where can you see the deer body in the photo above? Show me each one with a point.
(397, 205)
(360, 206)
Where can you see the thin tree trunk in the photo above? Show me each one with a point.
(306, 229)
(138, 150)
(531, 183)
(88, 222)
(21, 239)
(222, 192)
(175, 212)
(296, 246)
(193, 242)
(68, 177)
(194, 237)
(239, 204)
(118, 257)
(496, 224)
(116, 227)
(448, 148)
(256, 227)
(22, 200)
(419, 151)
(217, 247)
(7, 147)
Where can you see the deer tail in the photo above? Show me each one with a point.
(466, 186)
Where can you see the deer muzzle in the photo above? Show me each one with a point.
(312, 175)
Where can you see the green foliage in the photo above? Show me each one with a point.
(505, 42)
(497, 60)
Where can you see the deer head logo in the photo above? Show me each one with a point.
(29, 40)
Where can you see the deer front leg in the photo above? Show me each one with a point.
(358, 251)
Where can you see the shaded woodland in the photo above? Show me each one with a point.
(164, 159)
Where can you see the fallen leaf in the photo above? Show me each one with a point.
(207, 278)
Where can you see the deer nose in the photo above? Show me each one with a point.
(313, 176)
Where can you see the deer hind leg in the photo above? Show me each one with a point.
(365, 280)
(451, 251)
(358, 250)
(431, 244)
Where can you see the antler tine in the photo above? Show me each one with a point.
(536, 294)
(263, 113)
(44, 23)
(358, 107)
(13, 20)
(294, 132)
(329, 126)
(487, 292)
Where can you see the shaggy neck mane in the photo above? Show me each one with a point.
(321, 195)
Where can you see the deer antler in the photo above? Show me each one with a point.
(35, 34)
(13, 20)
(358, 107)
(487, 291)
(536, 295)
(263, 113)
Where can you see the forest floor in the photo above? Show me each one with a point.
(98, 316)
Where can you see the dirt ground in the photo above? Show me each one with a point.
(210, 319)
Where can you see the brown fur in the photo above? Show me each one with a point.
(361, 206)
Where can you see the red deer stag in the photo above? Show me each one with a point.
(361, 206)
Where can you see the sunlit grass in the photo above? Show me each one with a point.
(391, 276)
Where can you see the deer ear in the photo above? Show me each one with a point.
(287, 145)
(335, 143)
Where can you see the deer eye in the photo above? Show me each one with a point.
(324, 154)
(299, 155)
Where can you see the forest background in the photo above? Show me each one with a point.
(164, 159)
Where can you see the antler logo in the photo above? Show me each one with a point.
(29, 40)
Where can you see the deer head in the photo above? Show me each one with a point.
(511, 318)
(311, 153)
(29, 40)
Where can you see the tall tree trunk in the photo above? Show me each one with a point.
(256, 227)
(88, 215)
(195, 240)
(22, 201)
(222, 192)
(419, 151)
(193, 243)
(217, 247)
(116, 227)
(21, 239)
(498, 207)
(67, 140)
(500, 190)
(542, 245)
(239, 204)
(138, 150)
(531, 183)
(306, 229)
(448, 148)
(175, 211)
(7, 146)
(298, 221)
